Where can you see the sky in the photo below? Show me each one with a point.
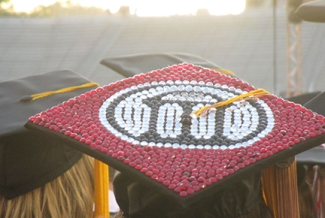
(148, 7)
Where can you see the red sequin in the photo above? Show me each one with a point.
(184, 171)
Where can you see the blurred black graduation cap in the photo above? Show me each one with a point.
(303, 98)
(144, 127)
(130, 65)
(313, 11)
(29, 160)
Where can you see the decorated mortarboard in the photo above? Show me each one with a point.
(184, 129)
(313, 11)
(29, 160)
(130, 65)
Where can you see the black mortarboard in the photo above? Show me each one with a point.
(313, 11)
(159, 129)
(314, 156)
(29, 160)
(130, 65)
(303, 98)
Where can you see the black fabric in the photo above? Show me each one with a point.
(241, 199)
(131, 65)
(313, 11)
(29, 160)
(303, 98)
(15, 112)
(317, 104)
(314, 156)
(27, 167)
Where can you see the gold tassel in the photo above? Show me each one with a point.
(269, 189)
(281, 191)
(101, 190)
(34, 97)
(252, 94)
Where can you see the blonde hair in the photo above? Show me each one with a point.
(70, 195)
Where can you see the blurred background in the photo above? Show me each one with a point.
(259, 40)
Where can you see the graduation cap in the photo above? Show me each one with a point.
(313, 11)
(29, 160)
(185, 130)
(130, 65)
(314, 156)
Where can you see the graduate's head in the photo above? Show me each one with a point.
(187, 133)
(39, 176)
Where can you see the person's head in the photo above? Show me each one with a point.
(186, 140)
(69, 195)
(39, 175)
(242, 199)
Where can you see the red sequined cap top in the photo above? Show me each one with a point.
(144, 126)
